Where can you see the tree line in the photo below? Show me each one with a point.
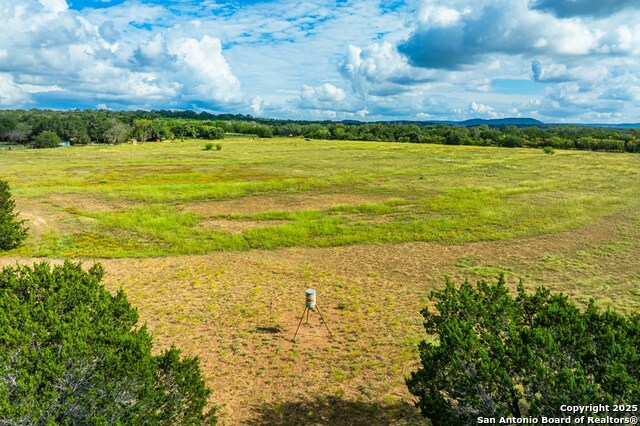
(45, 128)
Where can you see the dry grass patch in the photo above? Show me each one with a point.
(281, 202)
(237, 226)
(238, 312)
(80, 202)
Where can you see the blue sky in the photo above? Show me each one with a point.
(555, 60)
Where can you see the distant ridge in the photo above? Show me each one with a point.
(513, 121)
(498, 122)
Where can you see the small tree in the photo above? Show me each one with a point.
(496, 355)
(46, 139)
(264, 131)
(72, 354)
(142, 129)
(211, 132)
(117, 131)
(12, 230)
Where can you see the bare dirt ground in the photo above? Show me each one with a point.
(238, 227)
(238, 312)
(86, 203)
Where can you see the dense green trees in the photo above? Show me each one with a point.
(12, 230)
(8, 124)
(263, 131)
(116, 132)
(457, 136)
(72, 354)
(210, 132)
(81, 127)
(46, 139)
(497, 355)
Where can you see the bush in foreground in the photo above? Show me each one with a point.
(497, 355)
(71, 353)
(12, 230)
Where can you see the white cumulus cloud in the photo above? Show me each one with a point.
(379, 69)
(203, 70)
(570, 60)
(11, 95)
(323, 94)
(481, 110)
(105, 55)
(54, 6)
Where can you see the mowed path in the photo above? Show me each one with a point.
(238, 312)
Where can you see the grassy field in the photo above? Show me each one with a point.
(164, 199)
(215, 248)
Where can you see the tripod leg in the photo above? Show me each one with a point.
(323, 321)
(308, 315)
(300, 323)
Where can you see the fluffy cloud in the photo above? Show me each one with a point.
(328, 102)
(570, 8)
(380, 70)
(459, 49)
(108, 32)
(326, 94)
(206, 74)
(54, 6)
(10, 94)
(475, 33)
(439, 16)
(480, 110)
(374, 64)
(257, 105)
(438, 59)
(503, 27)
(556, 73)
(104, 57)
(609, 98)
(152, 53)
(623, 40)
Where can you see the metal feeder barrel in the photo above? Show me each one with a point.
(311, 298)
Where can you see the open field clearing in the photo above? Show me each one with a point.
(167, 199)
(216, 248)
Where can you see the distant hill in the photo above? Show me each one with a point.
(498, 122)
(512, 121)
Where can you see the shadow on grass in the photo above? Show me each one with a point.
(337, 411)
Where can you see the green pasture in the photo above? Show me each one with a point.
(138, 200)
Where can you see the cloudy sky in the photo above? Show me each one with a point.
(555, 60)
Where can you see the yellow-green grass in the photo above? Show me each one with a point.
(566, 221)
(133, 200)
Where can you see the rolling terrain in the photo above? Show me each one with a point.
(216, 248)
